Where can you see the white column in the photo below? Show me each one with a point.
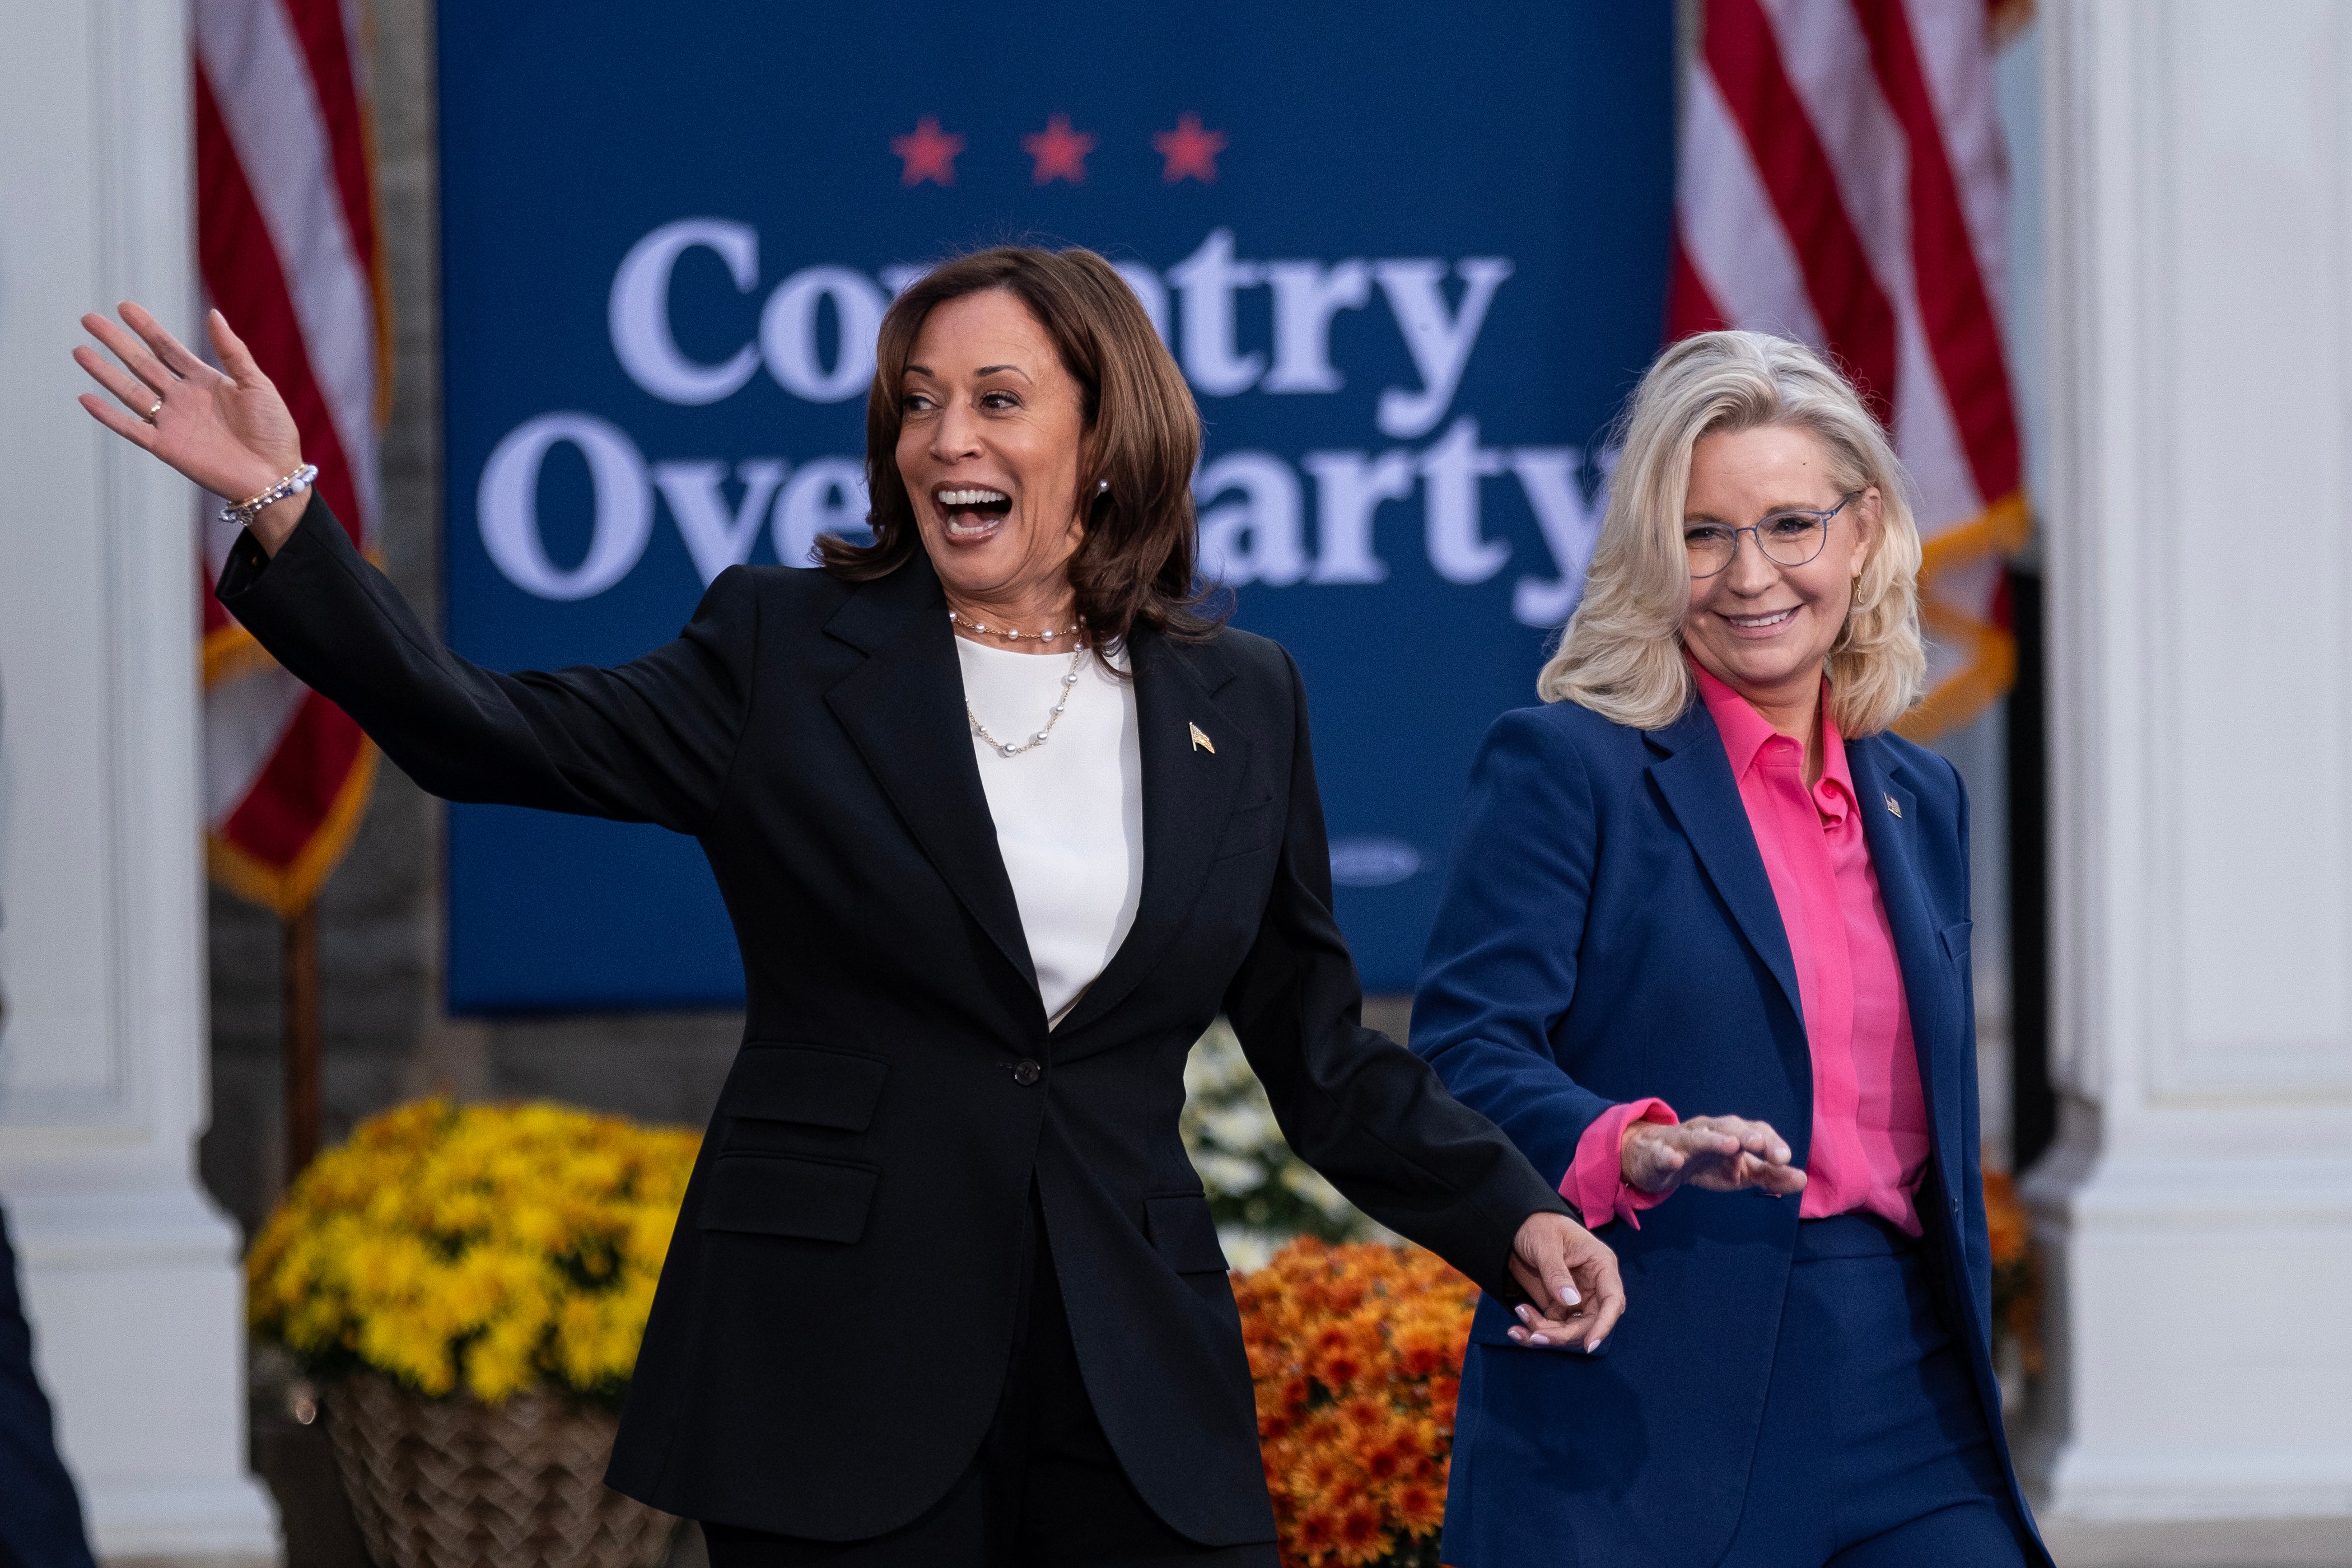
(130, 1273)
(2198, 1210)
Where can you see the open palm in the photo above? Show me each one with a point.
(1721, 1154)
(228, 431)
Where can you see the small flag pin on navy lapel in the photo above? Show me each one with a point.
(1200, 742)
(1894, 805)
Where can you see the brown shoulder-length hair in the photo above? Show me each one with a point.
(1135, 564)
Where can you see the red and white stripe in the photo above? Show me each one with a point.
(1841, 183)
(286, 238)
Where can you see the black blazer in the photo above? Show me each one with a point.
(898, 1092)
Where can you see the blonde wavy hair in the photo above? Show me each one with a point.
(1622, 654)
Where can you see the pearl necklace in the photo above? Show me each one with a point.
(1014, 748)
(1007, 633)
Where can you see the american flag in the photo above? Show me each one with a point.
(1842, 182)
(289, 247)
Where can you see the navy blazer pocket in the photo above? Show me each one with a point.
(785, 1194)
(1956, 940)
(1500, 1339)
(1184, 1232)
(1492, 1324)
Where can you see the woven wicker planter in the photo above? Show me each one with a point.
(457, 1484)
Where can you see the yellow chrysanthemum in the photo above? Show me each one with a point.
(498, 1247)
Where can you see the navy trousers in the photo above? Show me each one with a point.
(40, 1517)
(1875, 1451)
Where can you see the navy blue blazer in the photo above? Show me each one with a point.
(1608, 932)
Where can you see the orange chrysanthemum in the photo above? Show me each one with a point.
(2005, 1218)
(1356, 1351)
(2016, 1281)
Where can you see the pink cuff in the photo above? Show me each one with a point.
(1596, 1182)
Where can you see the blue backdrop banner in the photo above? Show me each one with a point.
(1411, 257)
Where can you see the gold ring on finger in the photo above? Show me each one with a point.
(150, 414)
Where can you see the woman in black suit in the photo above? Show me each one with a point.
(1003, 821)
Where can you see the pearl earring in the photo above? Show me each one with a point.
(1102, 487)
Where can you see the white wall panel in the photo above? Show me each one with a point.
(129, 1274)
(2250, 626)
(2199, 548)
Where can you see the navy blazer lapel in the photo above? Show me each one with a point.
(1927, 979)
(903, 710)
(1188, 794)
(1695, 778)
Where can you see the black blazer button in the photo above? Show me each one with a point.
(1026, 1072)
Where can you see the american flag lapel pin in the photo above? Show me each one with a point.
(1200, 742)
(1895, 805)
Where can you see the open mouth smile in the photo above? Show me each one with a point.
(1765, 622)
(971, 512)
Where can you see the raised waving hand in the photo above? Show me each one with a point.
(228, 431)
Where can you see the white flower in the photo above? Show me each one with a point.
(1237, 1148)
(1245, 1129)
(1247, 1248)
(1308, 1184)
(1228, 1175)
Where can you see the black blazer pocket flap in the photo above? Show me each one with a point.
(1250, 827)
(781, 1195)
(802, 1083)
(1184, 1233)
(1956, 940)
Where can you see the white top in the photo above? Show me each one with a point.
(1069, 813)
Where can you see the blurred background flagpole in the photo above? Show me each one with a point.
(290, 249)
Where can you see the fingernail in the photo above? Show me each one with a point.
(1567, 1294)
(1592, 1347)
(1518, 1336)
(1538, 1339)
(1524, 1311)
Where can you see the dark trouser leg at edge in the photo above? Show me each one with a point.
(40, 1518)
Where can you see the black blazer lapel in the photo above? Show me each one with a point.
(1188, 793)
(1928, 984)
(903, 710)
(1695, 778)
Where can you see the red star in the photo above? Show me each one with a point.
(930, 152)
(1192, 153)
(1061, 152)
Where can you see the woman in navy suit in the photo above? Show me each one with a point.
(1704, 954)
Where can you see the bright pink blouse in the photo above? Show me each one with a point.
(1870, 1120)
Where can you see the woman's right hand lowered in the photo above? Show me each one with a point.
(230, 433)
(1721, 1154)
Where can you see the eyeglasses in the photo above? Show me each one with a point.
(1787, 539)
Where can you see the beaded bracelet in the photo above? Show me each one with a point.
(242, 513)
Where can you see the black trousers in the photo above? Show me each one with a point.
(40, 1517)
(1044, 1492)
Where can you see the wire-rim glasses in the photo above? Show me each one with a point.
(1791, 537)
